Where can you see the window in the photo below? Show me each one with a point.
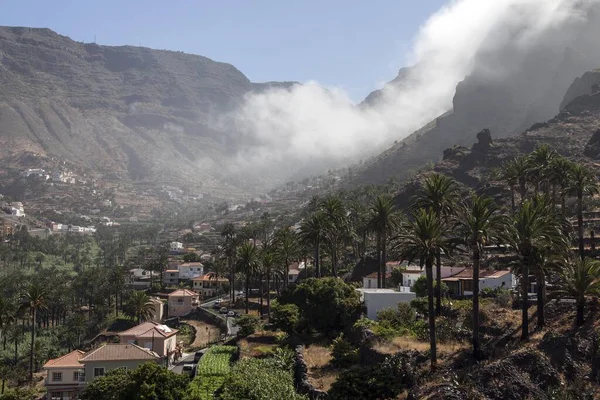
(57, 376)
(467, 285)
(98, 372)
(180, 299)
(78, 376)
(56, 395)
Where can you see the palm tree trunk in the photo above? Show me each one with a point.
(476, 267)
(31, 346)
(580, 223)
(541, 299)
(522, 190)
(524, 300)
(580, 312)
(379, 261)
(317, 267)
(261, 297)
(512, 199)
(287, 273)
(383, 260)
(16, 348)
(431, 315)
(247, 292)
(438, 281)
(269, 295)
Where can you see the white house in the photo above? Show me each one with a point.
(190, 270)
(176, 246)
(410, 274)
(378, 299)
(461, 284)
(294, 271)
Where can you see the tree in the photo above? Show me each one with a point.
(515, 171)
(247, 324)
(533, 228)
(148, 381)
(7, 313)
(440, 194)
(538, 170)
(286, 317)
(420, 287)
(229, 246)
(268, 261)
(559, 174)
(579, 280)
(140, 306)
(422, 238)
(582, 182)
(286, 248)
(248, 263)
(478, 223)
(34, 300)
(383, 220)
(312, 233)
(327, 305)
(336, 228)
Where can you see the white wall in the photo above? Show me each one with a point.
(376, 301)
(497, 282)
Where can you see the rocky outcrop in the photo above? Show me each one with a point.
(587, 84)
(303, 385)
(592, 148)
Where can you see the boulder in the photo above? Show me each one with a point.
(592, 148)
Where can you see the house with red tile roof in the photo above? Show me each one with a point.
(153, 336)
(208, 285)
(112, 356)
(65, 377)
(461, 284)
(182, 302)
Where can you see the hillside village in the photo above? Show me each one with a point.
(463, 262)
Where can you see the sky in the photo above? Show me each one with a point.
(353, 45)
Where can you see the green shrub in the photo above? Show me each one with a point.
(343, 353)
(283, 357)
(420, 305)
(420, 287)
(248, 324)
(327, 305)
(285, 317)
(384, 381)
(420, 330)
(259, 379)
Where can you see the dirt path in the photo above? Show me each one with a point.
(203, 335)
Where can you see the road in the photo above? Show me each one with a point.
(232, 330)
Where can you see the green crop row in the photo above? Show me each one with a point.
(212, 370)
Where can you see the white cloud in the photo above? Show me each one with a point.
(487, 37)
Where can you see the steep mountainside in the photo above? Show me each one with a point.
(130, 112)
(529, 89)
(574, 132)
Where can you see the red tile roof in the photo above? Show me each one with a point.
(68, 360)
(148, 329)
(119, 352)
(183, 292)
(467, 273)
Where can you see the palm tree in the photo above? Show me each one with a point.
(383, 220)
(582, 182)
(336, 228)
(286, 248)
(517, 170)
(559, 174)
(478, 223)
(534, 228)
(579, 280)
(7, 314)
(312, 233)
(248, 263)
(539, 162)
(229, 246)
(140, 306)
(422, 238)
(268, 261)
(440, 194)
(34, 300)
